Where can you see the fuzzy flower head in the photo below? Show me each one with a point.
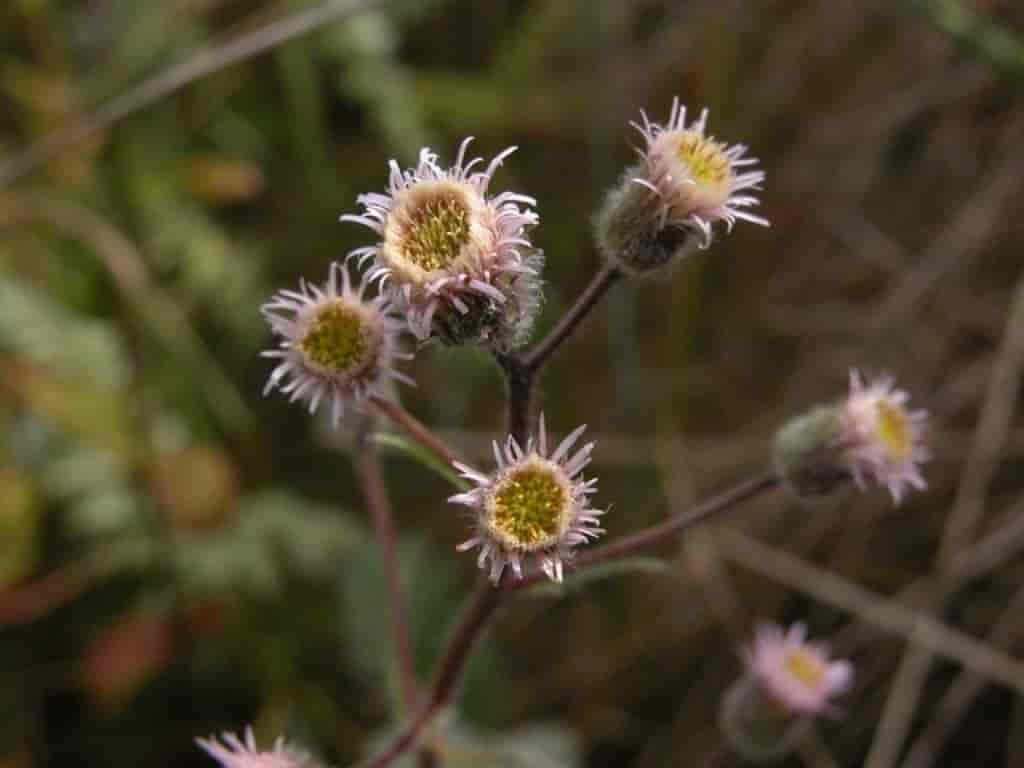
(450, 255)
(334, 346)
(881, 439)
(233, 752)
(685, 181)
(795, 674)
(696, 179)
(534, 504)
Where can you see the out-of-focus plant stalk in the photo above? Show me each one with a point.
(368, 462)
(413, 427)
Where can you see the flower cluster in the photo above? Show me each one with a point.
(454, 262)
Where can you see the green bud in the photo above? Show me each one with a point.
(806, 453)
(755, 727)
(631, 231)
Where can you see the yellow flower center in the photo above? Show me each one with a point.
(893, 429)
(436, 229)
(337, 340)
(529, 506)
(704, 158)
(805, 667)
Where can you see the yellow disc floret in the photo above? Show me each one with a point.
(893, 429)
(704, 158)
(805, 667)
(337, 340)
(435, 225)
(529, 507)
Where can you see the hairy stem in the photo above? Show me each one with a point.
(663, 531)
(480, 608)
(416, 429)
(368, 463)
(592, 294)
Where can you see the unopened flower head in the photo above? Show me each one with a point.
(233, 752)
(686, 181)
(447, 247)
(335, 346)
(534, 504)
(795, 674)
(881, 439)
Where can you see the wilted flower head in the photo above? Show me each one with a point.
(451, 256)
(532, 505)
(232, 752)
(685, 182)
(795, 674)
(334, 345)
(880, 438)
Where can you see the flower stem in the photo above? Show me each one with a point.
(480, 608)
(674, 525)
(592, 294)
(416, 429)
(368, 463)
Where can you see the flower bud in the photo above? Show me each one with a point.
(870, 435)
(806, 455)
(686, 181)
(754, 726)
(788, 680)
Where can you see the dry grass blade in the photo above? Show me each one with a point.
(872, 608)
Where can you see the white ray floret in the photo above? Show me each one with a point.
(881, 439)
(232, 752)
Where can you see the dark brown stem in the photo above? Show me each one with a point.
(674, 525)
(519, 380)
(481, 607)
(383, 522)
(592, 294)
(413, 427)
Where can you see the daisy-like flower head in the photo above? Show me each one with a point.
(795, 674)
(695, 179)
(233, 752)
(446, 247)
(335, 346)
(534, 504)
(880, 438)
